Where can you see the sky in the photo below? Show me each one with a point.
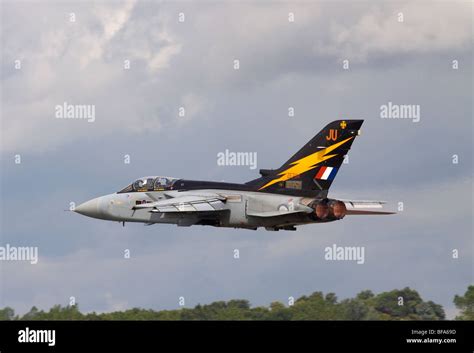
(137, 63)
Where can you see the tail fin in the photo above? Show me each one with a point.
(311, 171)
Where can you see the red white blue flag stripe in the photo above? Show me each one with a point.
(326, 173)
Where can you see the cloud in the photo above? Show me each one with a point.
(82, 62)
(161, 59)
(72, 63)
(401, 28)
(113, 19)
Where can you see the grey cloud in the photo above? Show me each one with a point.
(83, 61)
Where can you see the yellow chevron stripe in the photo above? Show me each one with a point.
(306, 163)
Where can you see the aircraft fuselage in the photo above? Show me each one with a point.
(237, 211)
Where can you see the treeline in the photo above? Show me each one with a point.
(405, 304)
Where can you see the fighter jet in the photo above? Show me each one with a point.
(281, 199)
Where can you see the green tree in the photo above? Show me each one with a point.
(405, 304)
(33, 314)
(355, 309)
(278, 312)
(7, 314)
(465, 304)
(397, 304)
(364, 295)
(317, 307)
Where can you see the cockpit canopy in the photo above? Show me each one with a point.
(151, 183)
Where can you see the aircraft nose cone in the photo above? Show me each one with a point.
(90, 208)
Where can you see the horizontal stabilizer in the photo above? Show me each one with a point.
(365, 207)
(367, 212)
